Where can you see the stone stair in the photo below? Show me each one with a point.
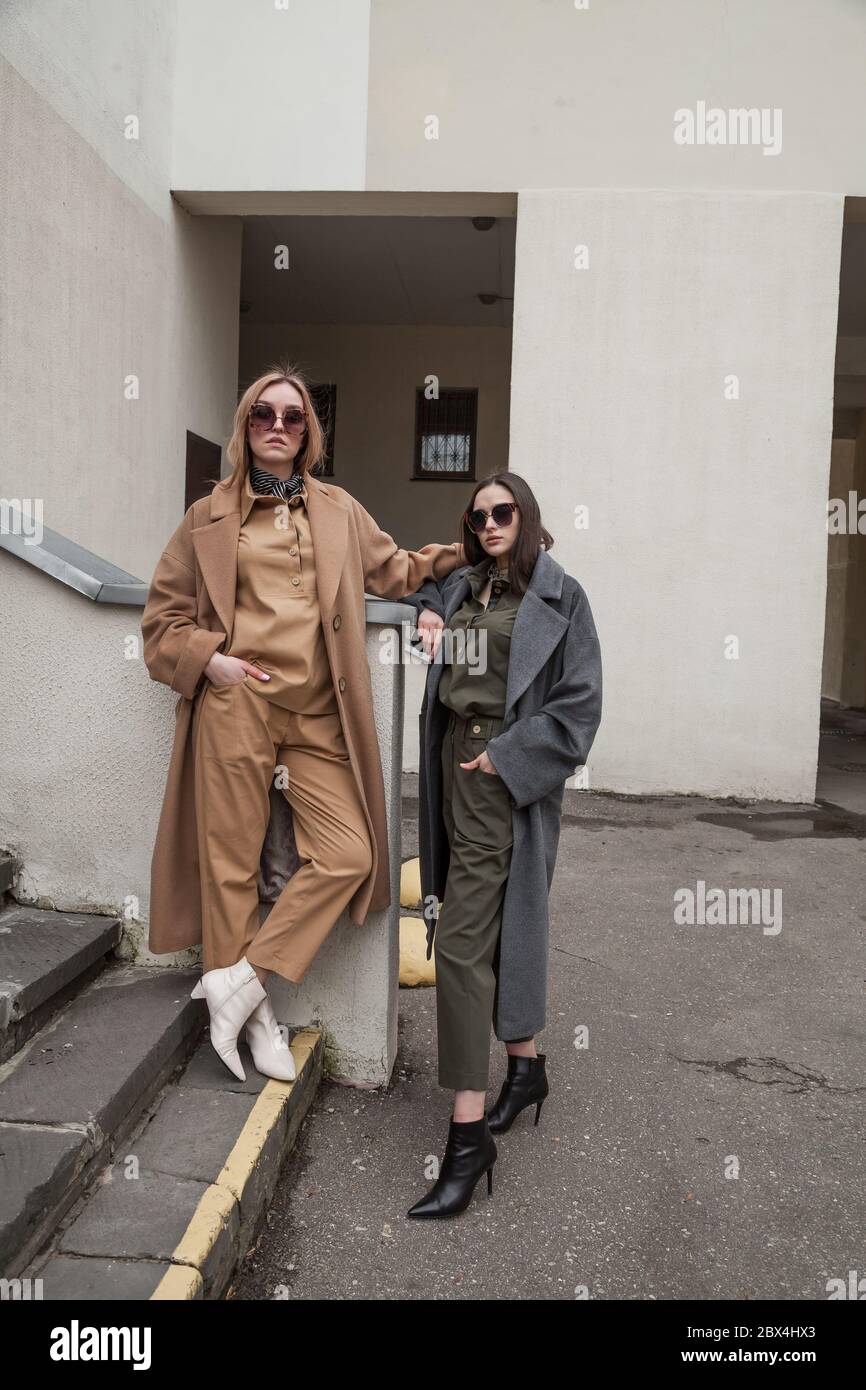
(86, 1044)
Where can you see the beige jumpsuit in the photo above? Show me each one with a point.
(289, 729)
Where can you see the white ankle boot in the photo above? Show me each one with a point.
(271, 1052)
(232, 994)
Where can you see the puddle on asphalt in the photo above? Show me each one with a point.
(827, 823)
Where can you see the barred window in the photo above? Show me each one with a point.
(445, 431)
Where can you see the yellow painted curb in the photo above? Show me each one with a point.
(208, 1220)
(410, 884)
(180, 1283)
(415, 968)
(184, 1280)
(244, 1157)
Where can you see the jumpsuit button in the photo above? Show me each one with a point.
(293, 550)
(337, 620)
(476, 728)
(295, 579)
(342, 682)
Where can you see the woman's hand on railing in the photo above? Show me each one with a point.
(230, 670)
(430, 627)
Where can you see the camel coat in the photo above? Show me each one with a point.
(189, 615)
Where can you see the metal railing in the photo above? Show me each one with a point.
(103, 582)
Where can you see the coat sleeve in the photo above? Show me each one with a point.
(176, 649)
(428, 596)
(536, 754)
(390, 572)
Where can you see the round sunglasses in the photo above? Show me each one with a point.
(264, 417)
(502, 515)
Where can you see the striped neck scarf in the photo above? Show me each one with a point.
(264, 482)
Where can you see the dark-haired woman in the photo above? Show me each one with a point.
(511, 707)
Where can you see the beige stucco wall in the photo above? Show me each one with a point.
(540, 94)
(707, 515)
(272, 95)
(120, 310)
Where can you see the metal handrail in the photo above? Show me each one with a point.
(103, 582)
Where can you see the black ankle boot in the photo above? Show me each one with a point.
(526, 1082)
(469, 1152)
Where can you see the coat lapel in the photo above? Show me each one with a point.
(538, 627)
(216, 550)
(216, 546)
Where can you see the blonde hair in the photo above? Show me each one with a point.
(309, 457)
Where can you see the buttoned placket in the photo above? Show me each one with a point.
(281, 506)
(294, 549)
(496, 588)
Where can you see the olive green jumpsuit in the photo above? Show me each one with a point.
(476, 809)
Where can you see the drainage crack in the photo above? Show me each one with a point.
(770, 1071)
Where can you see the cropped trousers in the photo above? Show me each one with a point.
(241, 742)
(476, 807)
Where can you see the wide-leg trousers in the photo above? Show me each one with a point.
(476, 807)
(241, 742)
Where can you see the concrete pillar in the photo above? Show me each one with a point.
(673, 362)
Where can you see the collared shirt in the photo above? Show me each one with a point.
(475, 671)
(278, 624)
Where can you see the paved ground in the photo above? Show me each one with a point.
(711, 1049)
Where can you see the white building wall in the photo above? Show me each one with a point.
(543, 94)
(271, 96)
(119, 309)
(707, 515)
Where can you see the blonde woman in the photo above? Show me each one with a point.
(256, 617)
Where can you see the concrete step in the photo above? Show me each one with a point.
(75, 1090)
(183, 1201)
(46, 958)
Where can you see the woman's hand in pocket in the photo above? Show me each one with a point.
(230, 670)
(482, 763)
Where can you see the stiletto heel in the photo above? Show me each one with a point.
(470, 1151)
(525, 1083)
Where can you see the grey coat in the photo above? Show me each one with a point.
(552, 712)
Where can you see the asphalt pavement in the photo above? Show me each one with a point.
(704, 1133)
